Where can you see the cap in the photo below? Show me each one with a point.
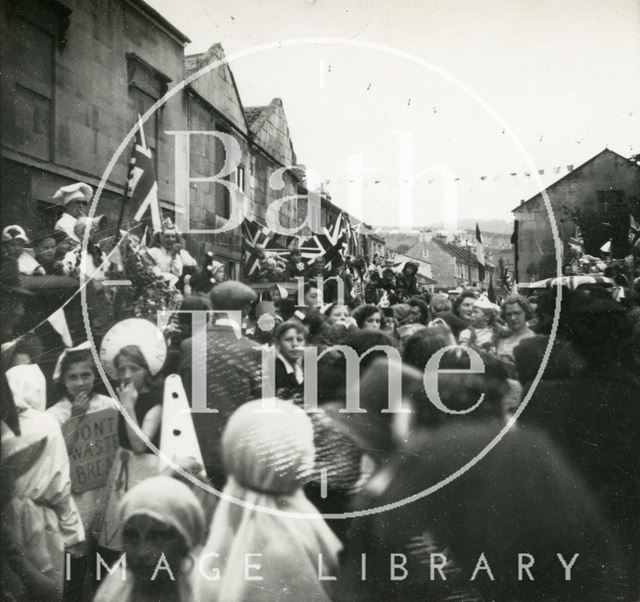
(232, 295)
(74, 192)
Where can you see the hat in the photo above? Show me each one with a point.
(168, 225)
(74, 192)
(134, 331)
(232, 295)
(14, 232)
(484, 303)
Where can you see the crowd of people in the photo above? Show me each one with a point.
(516, 480)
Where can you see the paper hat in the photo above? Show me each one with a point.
(74, 192)
(57, 371)
(484, 303)
(14, 232)
(137, 332)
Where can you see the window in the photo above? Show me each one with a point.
(425, 253)
(609, 200)
(146, 87)
(32, 108)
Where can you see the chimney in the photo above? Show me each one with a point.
(425, 235)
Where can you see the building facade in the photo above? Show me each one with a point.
(604, 191)
(97, 66)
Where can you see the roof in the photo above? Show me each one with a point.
(465, 254)
(569, 174)
(160, 20)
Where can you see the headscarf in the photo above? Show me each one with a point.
(28, 386)
(172, 503)
(267, 456)
(168, 501)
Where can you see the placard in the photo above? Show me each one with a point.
(92, 443)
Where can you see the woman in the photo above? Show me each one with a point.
(163, 528)
(42, 516)
(368, 317)
(168, 252)
(289, 339)
(141, 400)
(463, 305)
(268, 456)
(516, 312)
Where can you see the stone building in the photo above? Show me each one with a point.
(93, 68)
(604, 190)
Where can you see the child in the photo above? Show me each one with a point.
(76, 375)
(141, 400)
(484, 331)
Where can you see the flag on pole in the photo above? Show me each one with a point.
(516, 251)
(479, 253)
(634, 232)
(142, 187)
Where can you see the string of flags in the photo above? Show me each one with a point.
(556, 170)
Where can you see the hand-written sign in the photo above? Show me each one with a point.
(92, 443)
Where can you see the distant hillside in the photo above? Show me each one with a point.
(495, 226)
(400, 242)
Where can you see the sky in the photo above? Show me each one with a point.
(418, 112)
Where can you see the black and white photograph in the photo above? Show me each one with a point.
(320, 301)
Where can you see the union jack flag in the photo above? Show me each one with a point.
(142, 187)
(258, 240)
(332, 243)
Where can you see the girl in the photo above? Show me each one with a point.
(76, 374)
(163, 526)
(268, 456)
(135, 461)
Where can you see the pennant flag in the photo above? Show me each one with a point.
(178, 440)
(569, 167)
(606, 247)
(557, 169)
(541, 172)
(58, 321)
(634, 232)
(576, 242)
(479, 253)
(142, 187)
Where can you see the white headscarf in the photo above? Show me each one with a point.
(28, 386)
(267, 456)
